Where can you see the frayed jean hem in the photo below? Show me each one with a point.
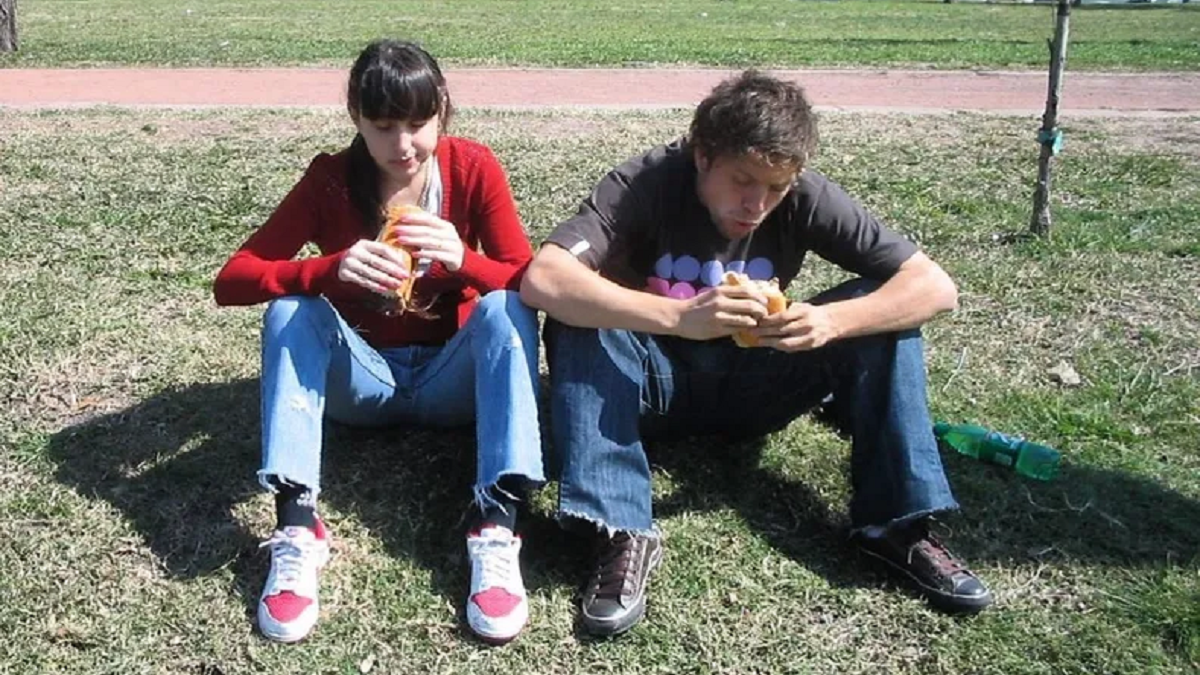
(903, 520)
(566, 517)
(484, 493)
(265, 477)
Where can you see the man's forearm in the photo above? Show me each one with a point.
(568, 291)
(916, 293)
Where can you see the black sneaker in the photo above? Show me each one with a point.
(942, 578)
(615, 597)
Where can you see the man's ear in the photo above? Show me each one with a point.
(701, 159)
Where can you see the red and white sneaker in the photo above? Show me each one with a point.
(288, 608)
(497, 608)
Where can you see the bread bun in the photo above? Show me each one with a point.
(776, 301)
(388, 235)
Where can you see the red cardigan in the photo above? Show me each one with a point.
(476, 198)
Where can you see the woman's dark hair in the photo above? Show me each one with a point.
(755, 113)
(390, 80)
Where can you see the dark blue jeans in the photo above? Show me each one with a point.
(610, 389)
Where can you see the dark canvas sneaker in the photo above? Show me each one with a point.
(497, 608)
(288, 608)
(941, 577)
(615, 597)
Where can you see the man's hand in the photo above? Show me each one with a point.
(721, 311)
(372, 265)
(431, 238)
(798, 328)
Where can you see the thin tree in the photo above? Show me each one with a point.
(1049, 136)
(8, 26)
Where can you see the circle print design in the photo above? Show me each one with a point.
(760, 269)
(664, 266)
(711, 272)
(687, 268)
(682, 291)
(658, 286)
(738, 266)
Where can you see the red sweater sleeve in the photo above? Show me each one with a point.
(263, 268)
(506, 248)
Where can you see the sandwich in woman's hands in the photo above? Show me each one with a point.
(402, 296)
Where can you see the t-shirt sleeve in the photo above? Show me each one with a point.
(841, 231)
(607, 221)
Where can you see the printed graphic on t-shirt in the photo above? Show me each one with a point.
(682, 277)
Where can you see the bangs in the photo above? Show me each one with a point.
(389, 93)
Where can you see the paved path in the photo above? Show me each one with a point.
(1148, 94)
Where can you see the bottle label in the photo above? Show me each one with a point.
(1004, 448)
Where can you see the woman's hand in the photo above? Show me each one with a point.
(372, 265)
(431, 238)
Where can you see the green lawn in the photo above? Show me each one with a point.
(131, 517)
(601, 33)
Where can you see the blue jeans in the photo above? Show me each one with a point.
(610, 389)
(314, 365)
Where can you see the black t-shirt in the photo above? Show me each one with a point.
(644, 227)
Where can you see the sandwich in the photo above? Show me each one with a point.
(776, 301)
(400, 298)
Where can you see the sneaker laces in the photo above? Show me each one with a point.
(929, 543)
(617, 568)
(289, 556)
(497, 559)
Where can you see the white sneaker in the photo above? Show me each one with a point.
(497, 608)
(288, 608)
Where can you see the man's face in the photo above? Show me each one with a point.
(740, 192)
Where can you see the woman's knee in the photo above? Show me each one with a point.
(504, 310)
(291, 311)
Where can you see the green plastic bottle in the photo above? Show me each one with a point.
(1028, 459)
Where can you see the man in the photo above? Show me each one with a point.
(643, 350)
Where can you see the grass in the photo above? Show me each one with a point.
(602, 33)
(129, 427)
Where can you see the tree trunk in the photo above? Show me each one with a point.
(1049, 136)
(8, 26)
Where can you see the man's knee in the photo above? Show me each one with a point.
(854, 288)
(591, 348)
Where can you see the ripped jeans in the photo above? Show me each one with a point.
(315, 365)
(612, 388)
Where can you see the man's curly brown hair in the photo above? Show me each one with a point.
(757, 114)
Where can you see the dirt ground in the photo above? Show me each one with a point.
(1138, 94)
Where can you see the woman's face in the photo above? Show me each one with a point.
(399, 147)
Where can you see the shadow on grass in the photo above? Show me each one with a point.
(1087, 516)
(177, 464)
(789, 515)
